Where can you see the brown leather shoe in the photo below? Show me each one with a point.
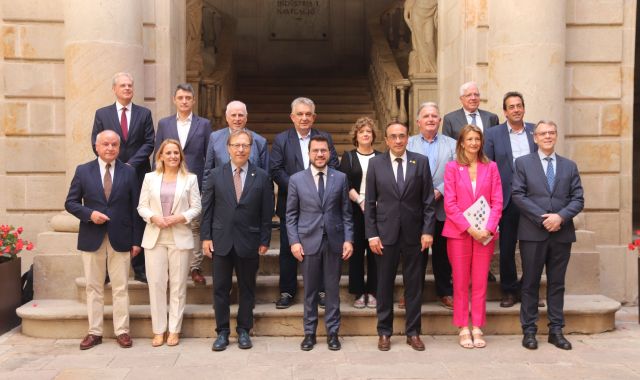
(447, 302)
(197, 277)
(124, 340)
(384, 343)
(90, 341)
(415, 342)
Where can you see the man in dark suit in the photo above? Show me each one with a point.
(134, 125)
(289, 155)
(469, 113)
(193, 133)
(503, 144)
(104, 196)
(320, 230)
(548, 192)
(237, 204)
(217, 154)
(399, 223)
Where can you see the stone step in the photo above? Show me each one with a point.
(319, 100)
(66, 319)
(285, 108)
(342, 138)
(302, 81)
(335, 129)
(267, 291)
(295, 91)
(265, 117)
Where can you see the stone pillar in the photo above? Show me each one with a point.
(424, 88)
(526, 47)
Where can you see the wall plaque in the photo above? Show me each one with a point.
(298, 19)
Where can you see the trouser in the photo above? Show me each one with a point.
(196, 254)
(361, 254)
(508, 239)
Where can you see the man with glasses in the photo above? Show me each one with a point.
(453, 122)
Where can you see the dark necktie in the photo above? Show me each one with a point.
(400, 175)
(321, 186)
(123, 123)
(107, 181)
(473, 119)
(551, 175)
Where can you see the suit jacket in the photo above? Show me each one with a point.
(387, 211)
(186, 201)
(497, 147)
(195, 148)
(446, 153)
(286, 160)
(533, 198)
(309, 218)
(454, 121)
(86, 194)
(218, 154)
(136, 149)
(244, 225)
(460, 196)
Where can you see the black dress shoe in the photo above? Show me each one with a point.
(142, 277)
(285, 301)
(244, 341)
(321, 295)
(221, 342)
(333, 342)
(308, 342)
(558, 340)
(508, 300)
(529, 341)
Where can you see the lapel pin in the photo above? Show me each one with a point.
(412, 161)
(253, 174)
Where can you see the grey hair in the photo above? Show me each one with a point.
(425, 105)
(184, 87)
(120, 74)
(233, 103)
(305, 101)
(547, 122)
(465, 87)
(105, 132)
(234, 134)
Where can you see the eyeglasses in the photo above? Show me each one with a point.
(547, 133)
(319, 151)
(238, 146)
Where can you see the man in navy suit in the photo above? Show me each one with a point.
(104, 196)
(548, 191)
(134, 125)
(399, 223)
(469, 113)
(193, 133)
(289, 155)
(237, 204)
(320, 230)
(503, 144)
(217, 153)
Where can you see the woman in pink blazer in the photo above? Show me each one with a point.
(470, 176)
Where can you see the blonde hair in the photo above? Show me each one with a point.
(461, 158)
(160, 165)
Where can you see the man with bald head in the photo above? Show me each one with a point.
(104, 196)
(453, 122)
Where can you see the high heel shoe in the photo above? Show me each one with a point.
(465, 338)
(173, 339)
(158, 340)
(478, 340)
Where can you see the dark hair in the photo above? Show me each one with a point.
(184, 87)
(511, 94)
(362, 122)
(318, 138)
(461, 158)
(235, 134)
(395, 123)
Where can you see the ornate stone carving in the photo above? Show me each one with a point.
(422, 18)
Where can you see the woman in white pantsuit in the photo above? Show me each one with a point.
(169, 201)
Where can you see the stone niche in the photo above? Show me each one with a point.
(298, 20)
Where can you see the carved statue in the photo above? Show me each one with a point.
(422, 18)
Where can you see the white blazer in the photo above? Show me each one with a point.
(186, 202)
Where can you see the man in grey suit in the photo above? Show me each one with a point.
(468, 114)
(320, 230)
(217, 154)
(548, 192)
(237, 205)
(439, 150)
(503, 144)
(193, 133)
(399, 223)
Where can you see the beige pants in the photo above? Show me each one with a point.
(95, 267)
(196, 254)
(165, 262)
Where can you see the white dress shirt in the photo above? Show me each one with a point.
(183, 128)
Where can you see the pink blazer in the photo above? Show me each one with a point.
(458, 196)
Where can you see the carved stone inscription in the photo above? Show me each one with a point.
(298, 19)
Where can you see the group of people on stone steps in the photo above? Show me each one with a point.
(211, 193)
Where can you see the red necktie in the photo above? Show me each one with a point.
(123, 123)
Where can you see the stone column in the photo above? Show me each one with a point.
(526, 47)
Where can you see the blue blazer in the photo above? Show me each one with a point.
(86, 194)
(218, 154)
(286, 160)
(497, 147)
(309, 218)
(195, 148)
(243, 225)
(136, 150)
(533, 197)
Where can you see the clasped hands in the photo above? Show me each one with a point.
(167, 221)
(479, 235)
(552, 222)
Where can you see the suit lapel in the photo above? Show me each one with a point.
(480, 174)
(227, 176)
(311, 184)
(116, 121)
(248, 181)
(95, 176)
(117, 177)
(195, 124)
(134, 120)
(462, 117)
(529, 132)
(181, 182)
(330, 183)
(410, 172)
(506, 141)
(389, 168)
(294, 141)
(466, 180)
